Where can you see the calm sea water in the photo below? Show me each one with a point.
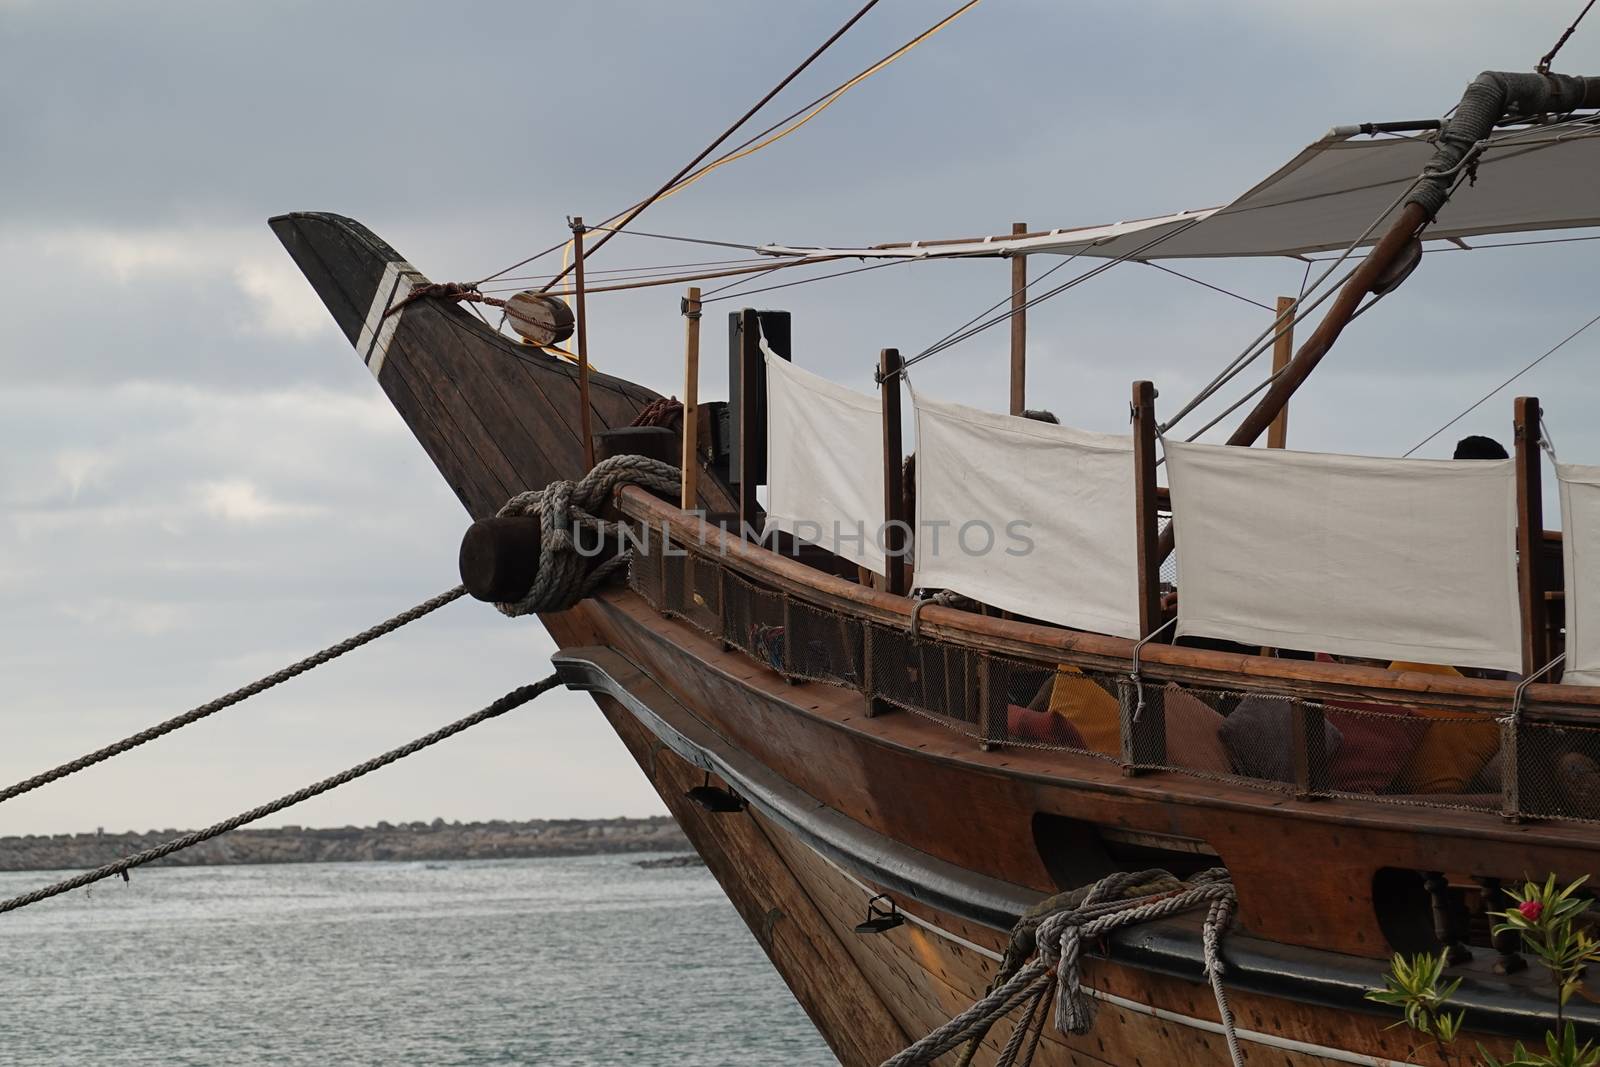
(562, 961)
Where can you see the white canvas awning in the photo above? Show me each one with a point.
(1028, 516)
(1580, 548)
(824, 463)
(1540, 178)
(1402, 559)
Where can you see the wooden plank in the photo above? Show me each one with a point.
(583, 342)
(1530, 532)
(1282, 353)
(1145, 507)
(691, 400)
(1019, 326)
(896, 524)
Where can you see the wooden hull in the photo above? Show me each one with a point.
(846, 803)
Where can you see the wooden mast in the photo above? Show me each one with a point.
(690, 466)
(1282, 353)
(1019, 326)
(586, 414)
(1530, 537)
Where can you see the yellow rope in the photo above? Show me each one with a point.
(823, 104)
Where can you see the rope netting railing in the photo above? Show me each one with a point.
(1365, 749)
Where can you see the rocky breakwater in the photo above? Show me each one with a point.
(436, 840)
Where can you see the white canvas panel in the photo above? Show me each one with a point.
(1326, 197)
(824, 463)
(1401, 559)
(1580, 551)
(1027, 516)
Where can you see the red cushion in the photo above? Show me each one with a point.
(1373, 748)
(1043, 727)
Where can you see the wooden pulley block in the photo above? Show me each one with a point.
(541, 319)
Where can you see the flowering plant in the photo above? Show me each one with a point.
(1550, 921)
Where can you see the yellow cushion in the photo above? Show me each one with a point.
(1092, 711)
(1193, 730)
(1455, 746)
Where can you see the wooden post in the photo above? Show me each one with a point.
(587, 427)
(1530, 537)
(1282, 353)
(1145, 507)
(895, 522)
(1019, 326)
(691, 400)
(752, 409)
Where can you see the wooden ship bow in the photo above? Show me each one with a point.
(887, 784)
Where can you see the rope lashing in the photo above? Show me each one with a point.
(1044, 955)
(563, 507)
(514, 699)
(260, 685)
(659, 412)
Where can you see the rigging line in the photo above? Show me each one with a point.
(1208, 285)
(825, 100)
(639, 208)
(512, 700)
(1544, 64)
(804, 281)
(1274, 376)
(1266, 337)
(650, 282)
(675, 237)
(663, 278)
(1004, 300)
(1479, 402)
(1063, 287)
(258, 686)
(508, 279)
(1498, 244)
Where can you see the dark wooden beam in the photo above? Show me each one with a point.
(896, 523)
(1019, 326)
(689, 462)
(586, 415)
(1530, 535)
(751, 414)
(1145, 506)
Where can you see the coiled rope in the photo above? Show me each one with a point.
(565, 507)
(1044, 954)
(514, 699)
(260, 685)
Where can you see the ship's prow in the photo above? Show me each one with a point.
(496, 416)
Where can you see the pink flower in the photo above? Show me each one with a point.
(1531, 910)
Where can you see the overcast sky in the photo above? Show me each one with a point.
(199, 482)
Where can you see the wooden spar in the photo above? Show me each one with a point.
(1282, 353)
(896, 524)
(1385, 254)
(752, 431)
(691, 400)
(585, 413)
(1530, 537)
(1019, 326)
(1145, 506)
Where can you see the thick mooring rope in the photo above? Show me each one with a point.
(514, 699)
(563, 508)
(1044, 953)
(260, 685)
